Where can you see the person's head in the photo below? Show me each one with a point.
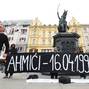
(12, 45)
(1, 27)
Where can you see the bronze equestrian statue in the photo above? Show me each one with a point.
(62, 27)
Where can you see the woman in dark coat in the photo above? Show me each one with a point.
(12, 50)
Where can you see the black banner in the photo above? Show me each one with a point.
(48, 62)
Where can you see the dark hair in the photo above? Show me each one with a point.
(12, 45)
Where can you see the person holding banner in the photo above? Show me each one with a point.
(12, 50)
(4, 42)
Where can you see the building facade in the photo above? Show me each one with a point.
(41, 37)
(33, 36)
(85, 28)
(17, 32)
(83, 31)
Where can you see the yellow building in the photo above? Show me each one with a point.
(85, 28)
(41, 37)
(74, 26)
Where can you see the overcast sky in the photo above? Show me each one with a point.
(45, 10)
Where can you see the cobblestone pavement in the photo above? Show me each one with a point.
(19, 82)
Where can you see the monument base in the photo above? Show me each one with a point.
(66, 42)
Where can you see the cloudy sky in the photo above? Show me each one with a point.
(45, 10)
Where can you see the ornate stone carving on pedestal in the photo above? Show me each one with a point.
(65, 42)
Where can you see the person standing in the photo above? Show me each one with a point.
(4, 41)
(12, 50)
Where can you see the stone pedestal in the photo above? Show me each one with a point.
(66, 42)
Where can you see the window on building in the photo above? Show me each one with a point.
(54, 33)
(33, 50)
(43, 33)
(23, 31)
(49, 40)
(22, 39)
(33, 41)
(49, 33)
(86, 37)
(11, 31)
(43, 41)
(46, 50)
(34, 32)
(43, 50)
(10, 38)
(85, 29)
(19, 49)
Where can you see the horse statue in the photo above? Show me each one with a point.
(62, 27)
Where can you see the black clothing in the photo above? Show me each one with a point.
(12, 50)
(54, 75)
(4, 40)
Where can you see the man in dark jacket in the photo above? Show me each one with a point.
(4, 41)
(12, 50)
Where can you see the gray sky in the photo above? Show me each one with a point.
(45, 10)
